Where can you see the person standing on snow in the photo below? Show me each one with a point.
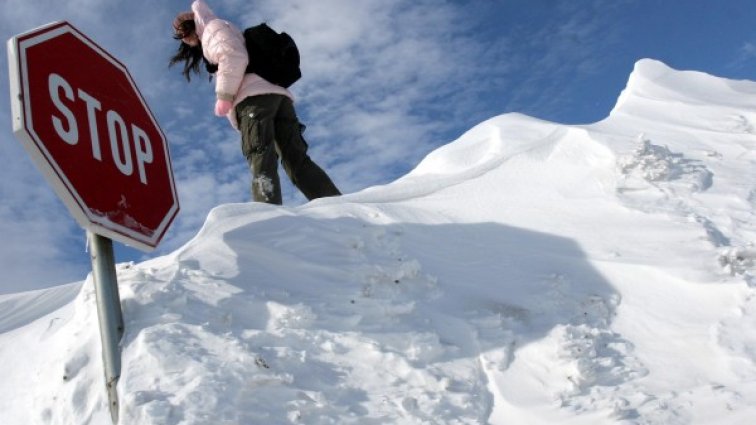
(262, 111)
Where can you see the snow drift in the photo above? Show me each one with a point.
(527, 273)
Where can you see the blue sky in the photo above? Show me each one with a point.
(385, 83)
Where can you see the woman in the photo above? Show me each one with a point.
(262, 111)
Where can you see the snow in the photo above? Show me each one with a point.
(527, 273)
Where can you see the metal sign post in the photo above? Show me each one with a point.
(109, 314)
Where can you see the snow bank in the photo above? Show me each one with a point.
(527, 273)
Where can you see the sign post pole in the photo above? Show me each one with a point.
(109, 314)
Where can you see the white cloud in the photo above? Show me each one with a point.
(385, 82)
(39, 239)
(749, 49)
(745, 55)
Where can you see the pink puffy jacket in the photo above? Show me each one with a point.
(223, 44)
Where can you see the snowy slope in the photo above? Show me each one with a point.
(527, 273)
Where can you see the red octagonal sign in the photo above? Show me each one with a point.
(82, 119)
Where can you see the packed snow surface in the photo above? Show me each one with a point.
(527, 273)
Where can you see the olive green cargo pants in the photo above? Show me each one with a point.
(270, 130)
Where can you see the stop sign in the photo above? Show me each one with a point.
(80, 116)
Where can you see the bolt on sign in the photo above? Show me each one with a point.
(81, 118)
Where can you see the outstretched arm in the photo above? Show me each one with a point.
(222, 44)
(202, 15)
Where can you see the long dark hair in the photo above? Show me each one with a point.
(191, 56)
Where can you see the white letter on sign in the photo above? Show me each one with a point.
(143, 150)
(92, 106)
(123, 163)
(54, 83)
